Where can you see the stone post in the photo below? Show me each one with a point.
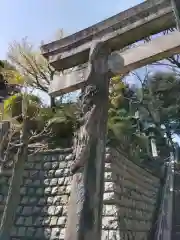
(86, 200)
(176, 9)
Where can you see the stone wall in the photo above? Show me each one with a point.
(176, 205)
(129, 209)
(42, 211)
(129, 197)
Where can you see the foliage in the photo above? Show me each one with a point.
(10, 80)
(13, 106)
(158, 104)
(13, 77)
(165, 89)
(10, 74)
(123, 128)
(35, 69)
(61, 123)
(31, 64)
(1, 64)
(161, 100)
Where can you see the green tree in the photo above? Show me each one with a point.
(158, 104)
(10, 82)
(161, 96)
(123, 127)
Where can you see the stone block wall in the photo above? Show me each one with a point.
(129, 197)
(176, 205)
(42, 210)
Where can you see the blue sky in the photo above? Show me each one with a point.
(40, 19)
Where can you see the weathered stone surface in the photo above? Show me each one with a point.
(62, 234)
(59, 173)
(30, 231)
(63, 164)
(36, 210)
(20, 221)
(137, 20)
(27, 211)
(55, 233)
(54, 220)
(53, 182)
(69, 157)
(28, 221)
(110, 223)
(108, 196)
(22, 232)
(114, 235)
(51, 210)
(47, 166)
(110, 210)
(58, 210)
(129, 199)
(47, 191)
(39, 233)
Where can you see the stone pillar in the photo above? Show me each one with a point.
(176, 9)
(86, 200)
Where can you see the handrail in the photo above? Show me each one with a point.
(164, 221)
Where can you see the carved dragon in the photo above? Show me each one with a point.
(89, 146)
(88, 105)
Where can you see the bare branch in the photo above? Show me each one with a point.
(22, 55)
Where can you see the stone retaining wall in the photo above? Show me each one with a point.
(44, 196)
(129, 208)
(129, 198)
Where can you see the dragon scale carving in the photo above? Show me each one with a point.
(85, 206)
(89, 106)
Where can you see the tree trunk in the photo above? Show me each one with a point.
(13, 197)
(52, 103)
(86, 200)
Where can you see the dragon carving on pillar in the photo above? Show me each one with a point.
(92, 91)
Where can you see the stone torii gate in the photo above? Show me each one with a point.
(93, 51)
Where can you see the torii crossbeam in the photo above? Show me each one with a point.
(123, 29)
(134, 58)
